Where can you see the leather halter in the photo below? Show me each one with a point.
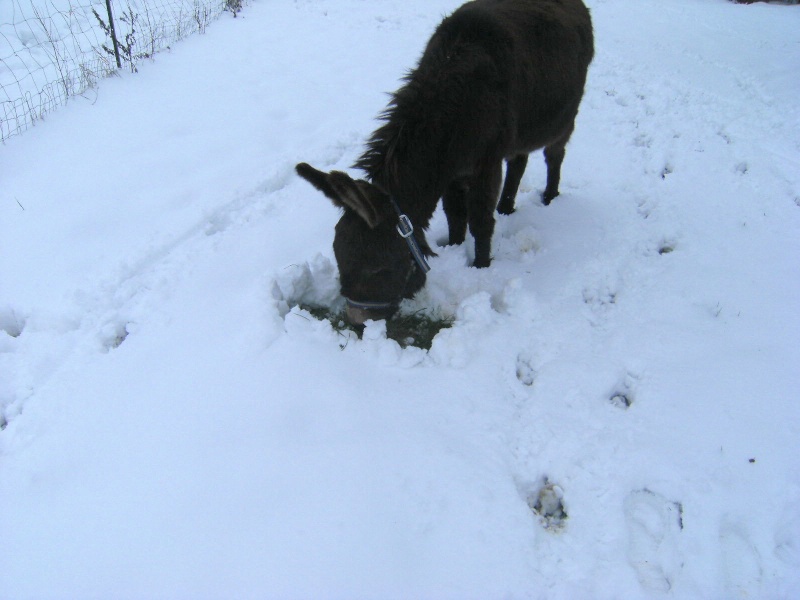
(406, 230)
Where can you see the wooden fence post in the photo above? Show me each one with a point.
(113, 34)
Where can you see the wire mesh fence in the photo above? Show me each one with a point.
(51, 50)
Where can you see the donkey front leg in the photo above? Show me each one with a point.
(481, 200)
(454, 203)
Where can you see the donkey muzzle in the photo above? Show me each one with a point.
(358, 313)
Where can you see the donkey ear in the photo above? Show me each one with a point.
(319, 180)
(365, 199)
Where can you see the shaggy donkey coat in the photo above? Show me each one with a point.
(498, 80)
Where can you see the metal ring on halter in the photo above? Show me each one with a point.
(406, 230)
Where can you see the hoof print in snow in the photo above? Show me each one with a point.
(547, 503)
(114, 335)
(119, 338)
(525, 373)
(621, 400)
(10, 322)
(599, 298)
(787, 536)
(601, 303)
(741, 563)
(644, 206)
(623, 395)
(666, 248)
(654, 524)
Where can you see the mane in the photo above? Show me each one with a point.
(379, 160)
(466, 56)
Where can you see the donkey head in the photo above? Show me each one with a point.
(376, 268)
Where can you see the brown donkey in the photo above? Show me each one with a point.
(498, 80)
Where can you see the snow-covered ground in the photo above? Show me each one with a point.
(175, 427)
(51, 50)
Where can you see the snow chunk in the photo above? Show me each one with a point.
(455, 346)
(313, 283)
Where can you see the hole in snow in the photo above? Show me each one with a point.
(121, 336)
(113, 335)
(415, 329)
(622, 401)
(314, 288)
(525, 371)
(623, 395)
(548, 504)
(11, 322)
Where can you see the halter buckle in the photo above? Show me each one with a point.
(405, 227)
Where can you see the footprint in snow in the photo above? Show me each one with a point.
(547, 503)
(114, 334)
(11, 323)
(601, 300)
(787, 535)
(525, 372)
(741, 563)
(654, 524)
(624, 393)
(621, 400)
(666, 247)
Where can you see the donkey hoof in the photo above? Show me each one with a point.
(454, 241)
(506, 210)
(547, 197)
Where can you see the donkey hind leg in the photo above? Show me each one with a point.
(454, 203)
(554, 156)
(481, 200)
(515, 169)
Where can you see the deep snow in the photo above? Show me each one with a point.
(176, 427)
